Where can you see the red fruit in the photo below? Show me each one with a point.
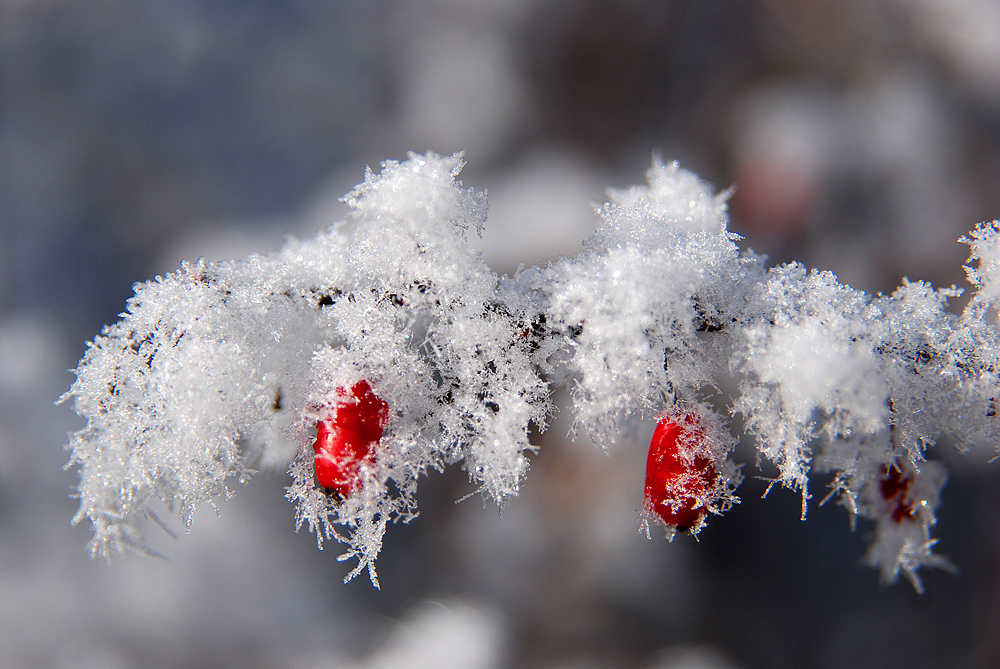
(678, 482)
(347, 438)
(894, 487)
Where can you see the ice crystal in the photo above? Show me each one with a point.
(214, 369)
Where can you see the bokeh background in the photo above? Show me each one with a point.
(863, 137)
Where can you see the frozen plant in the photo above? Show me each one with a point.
(385, 347)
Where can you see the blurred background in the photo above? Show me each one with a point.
(863, 137)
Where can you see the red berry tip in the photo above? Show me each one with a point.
(678, 482)
(895, 486)
(347, 438)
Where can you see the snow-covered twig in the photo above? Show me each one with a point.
(385, 347)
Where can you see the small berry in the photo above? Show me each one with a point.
(679, 484)
(346, 439)
(895, 486)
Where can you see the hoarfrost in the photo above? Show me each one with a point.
(216, 368)
(985, 252)
(660, 269)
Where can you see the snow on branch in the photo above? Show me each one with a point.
(385, 347)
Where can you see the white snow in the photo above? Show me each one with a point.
(223, 367)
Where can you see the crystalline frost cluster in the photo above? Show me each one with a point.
(216, 368)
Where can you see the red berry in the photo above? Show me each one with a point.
(895, 486)
(679, 483)
(346, 439)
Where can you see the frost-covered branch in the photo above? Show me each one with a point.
(385, 347)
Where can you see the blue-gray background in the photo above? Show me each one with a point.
(863, 136)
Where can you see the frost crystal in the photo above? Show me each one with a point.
(661, 270)
(215, 369)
